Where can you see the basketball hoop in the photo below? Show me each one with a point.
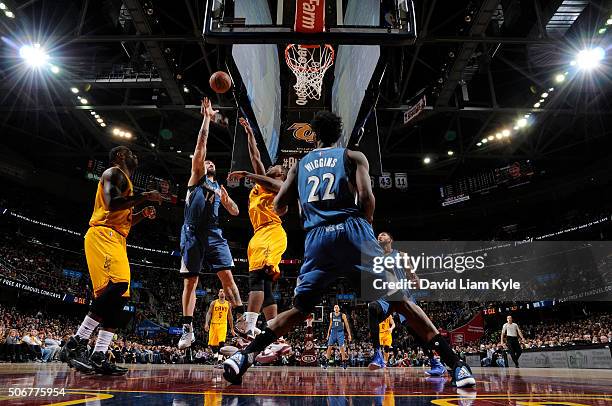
(309, 64)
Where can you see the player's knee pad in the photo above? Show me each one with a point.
(375, 311)
(256, 281)
(268, 294)
(109, 304)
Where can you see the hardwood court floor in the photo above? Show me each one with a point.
(151, 385)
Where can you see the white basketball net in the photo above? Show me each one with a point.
(309, 64)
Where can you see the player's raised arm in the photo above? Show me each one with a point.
(287, 193)
(258, 166)
(198, 169)
(268, 183)
(115, 183)
(363, 184)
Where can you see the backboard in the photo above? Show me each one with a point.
(356, 22)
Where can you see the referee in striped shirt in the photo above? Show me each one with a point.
(512, 332)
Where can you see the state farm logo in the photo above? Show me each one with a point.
(303, 132)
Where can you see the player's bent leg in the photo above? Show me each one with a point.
(425, 330)
(376, 314)
(246, 324)
(240, 362)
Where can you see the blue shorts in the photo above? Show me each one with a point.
(330, 252)
(205, 249)
(336, 338)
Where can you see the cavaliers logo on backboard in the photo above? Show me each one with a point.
(303, 132)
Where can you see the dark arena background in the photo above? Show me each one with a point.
(487, 128)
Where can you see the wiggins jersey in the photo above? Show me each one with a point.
(326, 194)
(385, 326)
(118, 220)
(337, 323)
(219, 312)
(202, 204)
(261, 210)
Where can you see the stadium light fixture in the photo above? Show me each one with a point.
(74, 90)
(116, 131)
(152, 145)
(560, 78)
(2, 6)
(522, 122)
(54, 69)
(83, 100)
(536, 105)
(99, 120)
(427, 160)
(479, 144)
(588, 59)
(451, 153)
(505, 132)
(9, 14)
(498, 136)
(34, 55)
(102, 124)
(544, 95)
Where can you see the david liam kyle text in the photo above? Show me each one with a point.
(449, 284)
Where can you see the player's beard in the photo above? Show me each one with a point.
(211, 172)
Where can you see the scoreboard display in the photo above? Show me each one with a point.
(506, 177)
(141, 181)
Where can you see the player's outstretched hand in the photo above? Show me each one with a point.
(206, 109)
(233, 333)
(247, 127)
(153, 196)
(149, 212)
(206, 328)
(237, 175)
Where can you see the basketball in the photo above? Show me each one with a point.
(220, 82)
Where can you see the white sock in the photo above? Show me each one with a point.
(251, 320)
(87, 327)
(103, 341)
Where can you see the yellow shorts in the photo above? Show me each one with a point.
(266, 249)
(385, 340)
(107, 260)
(217, 333)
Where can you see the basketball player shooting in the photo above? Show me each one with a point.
(335, 335)
(202, 242)
(269, 242)
(106, 255)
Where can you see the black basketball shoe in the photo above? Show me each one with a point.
(102, 366)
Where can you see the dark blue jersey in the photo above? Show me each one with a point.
(325, 185)
(337, 324)
(202, 204)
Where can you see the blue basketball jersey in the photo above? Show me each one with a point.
(400, 272)
(202, 204)
(337, 324)
(326, 193)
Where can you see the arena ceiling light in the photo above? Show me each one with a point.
(451, 153)
(74, 90)
(560, 78)
(589, 59)
(34, 55)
